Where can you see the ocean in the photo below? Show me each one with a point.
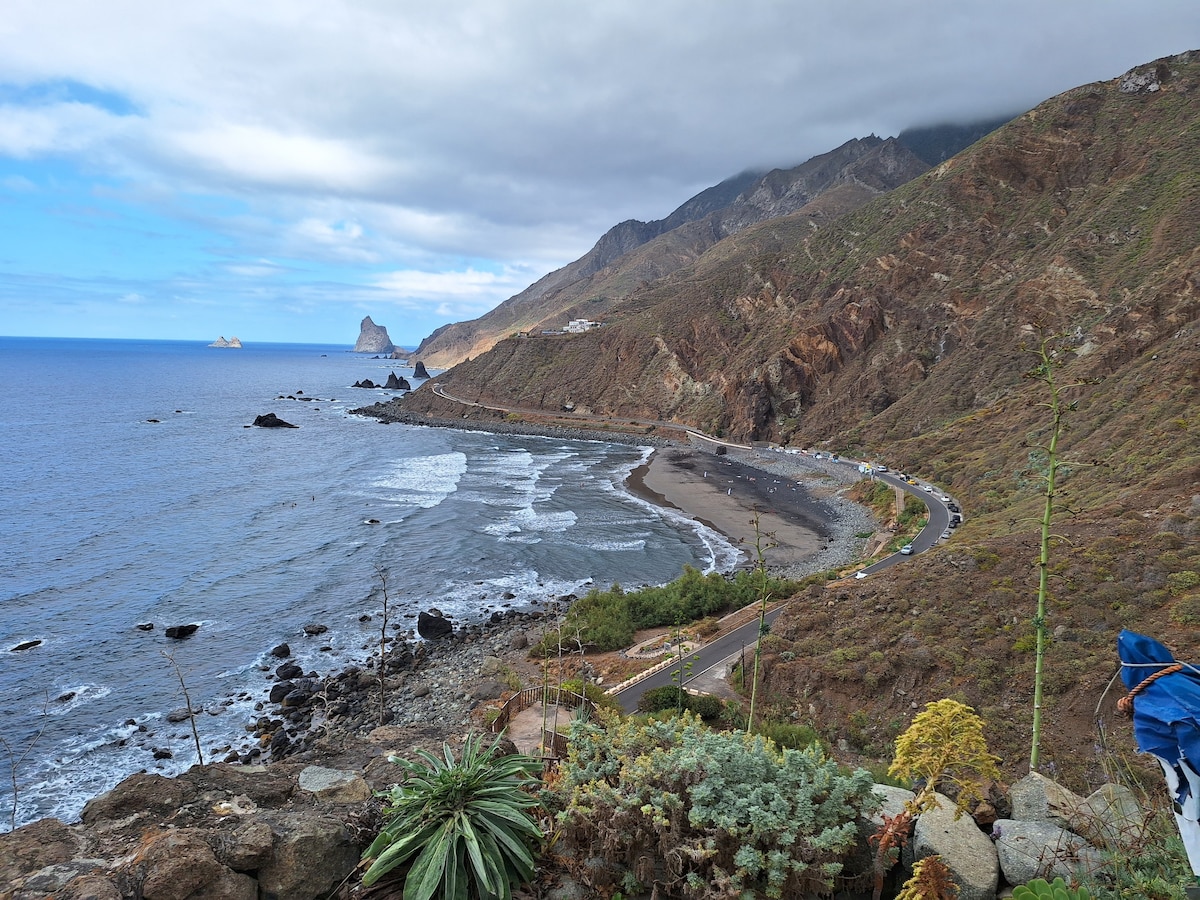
(134, 494)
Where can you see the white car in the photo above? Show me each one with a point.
(907, 549)
(927, 489)
(861, 574)
(944, 498)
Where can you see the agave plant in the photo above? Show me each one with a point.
(463, 825)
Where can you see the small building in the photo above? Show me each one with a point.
(578, 326)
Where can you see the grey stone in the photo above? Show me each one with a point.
(966, 850)
(490, 665)
(334, 786)
(1111, 817)
(1028, 850)
(1035, 798)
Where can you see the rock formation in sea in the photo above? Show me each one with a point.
(396, 383)
(373, 338)
(420, 371)
(270, 420)
(233, 343)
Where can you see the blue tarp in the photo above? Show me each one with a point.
(1166, 723)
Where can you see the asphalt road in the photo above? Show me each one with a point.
(704, 658)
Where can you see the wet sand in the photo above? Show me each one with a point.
(725, 495)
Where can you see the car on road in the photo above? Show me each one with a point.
(907, 549)
(927, 489)
(861, 574)
(946, 534)
(944, 498)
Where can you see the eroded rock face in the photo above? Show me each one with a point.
(373, 338)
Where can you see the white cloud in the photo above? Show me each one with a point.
(467, 292)
(414, 137)
(60, 128)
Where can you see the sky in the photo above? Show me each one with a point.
(279, 169)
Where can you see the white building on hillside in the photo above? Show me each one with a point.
(577, 326)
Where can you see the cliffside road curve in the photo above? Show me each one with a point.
(705, 658)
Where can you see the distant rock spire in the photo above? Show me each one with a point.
(373, 338)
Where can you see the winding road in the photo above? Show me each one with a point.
(704, 659)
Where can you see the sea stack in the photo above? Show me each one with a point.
(233, 343)
(373, 338)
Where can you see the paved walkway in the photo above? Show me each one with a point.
(526, 729)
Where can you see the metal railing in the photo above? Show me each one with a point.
(550, 696)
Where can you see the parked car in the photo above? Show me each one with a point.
(946, 534)
(927, 489)
(861, 574)
(953, 507)
(944, 498)
(907, 549)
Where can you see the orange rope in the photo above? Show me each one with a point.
(1125, 704)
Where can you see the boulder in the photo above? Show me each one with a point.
(151, 796)
(288, 671)
(174, 865)
(179, 632)
(487, 690)
(247, 847)
(966, 850)
(434, 627)
(1035, 798)
(311, 856)
(1112, 818)
(1028, 850)
(270, 420)
(25, 645)
(419, 370)
(90, 886)
(281, 651)
(314, 628)
(334, 785)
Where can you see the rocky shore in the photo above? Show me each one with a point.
(288, 816)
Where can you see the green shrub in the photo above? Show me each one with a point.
(669, 696)
(462, 826)
(710, 808)
(790, 735)
(707, 707)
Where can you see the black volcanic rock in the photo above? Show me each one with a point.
(365, 383)
(270, 420)
(419, 370)
(434, 627)
(179, 632)
(396, 383)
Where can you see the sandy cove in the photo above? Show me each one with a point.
(804, 522)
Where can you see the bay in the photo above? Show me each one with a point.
(135, 494)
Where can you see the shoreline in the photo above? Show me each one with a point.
(797, 498)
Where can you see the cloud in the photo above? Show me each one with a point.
(344, 138)
(467, 293)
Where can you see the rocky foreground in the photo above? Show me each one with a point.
(292, 829)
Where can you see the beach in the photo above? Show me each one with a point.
(790, 506)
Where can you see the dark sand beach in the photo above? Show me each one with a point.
(726, 494)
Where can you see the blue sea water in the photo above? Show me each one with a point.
(134, 493)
